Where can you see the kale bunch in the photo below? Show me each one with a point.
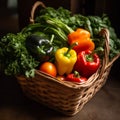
(14, 57)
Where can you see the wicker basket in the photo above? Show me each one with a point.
(66, 97)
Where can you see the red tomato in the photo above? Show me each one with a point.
(48, 68)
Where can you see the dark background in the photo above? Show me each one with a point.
(15, 106)
(86, 7)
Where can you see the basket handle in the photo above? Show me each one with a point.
(34, 7)
(107, 50)
(105, 33)
(113, 60)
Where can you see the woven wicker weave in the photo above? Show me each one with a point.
(66, 97)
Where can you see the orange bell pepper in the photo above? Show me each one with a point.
(82, 37)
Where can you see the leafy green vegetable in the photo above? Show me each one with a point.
(93, 24)
(16, 60)
(15, 57)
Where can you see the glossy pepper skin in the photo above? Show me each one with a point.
(82, 37)
(75, 77)
(87, 63)
(65, 59)
(39, 46)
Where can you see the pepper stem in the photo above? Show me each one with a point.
(90, 56)
(71, 46)
(76, 74)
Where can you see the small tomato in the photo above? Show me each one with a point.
(48, 68)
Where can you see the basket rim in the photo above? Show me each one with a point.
(69, 84)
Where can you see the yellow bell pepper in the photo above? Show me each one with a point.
(65, 59)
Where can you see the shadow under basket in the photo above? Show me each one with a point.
(64, 96)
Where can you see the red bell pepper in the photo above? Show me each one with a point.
(87, 63)
(75, 77)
